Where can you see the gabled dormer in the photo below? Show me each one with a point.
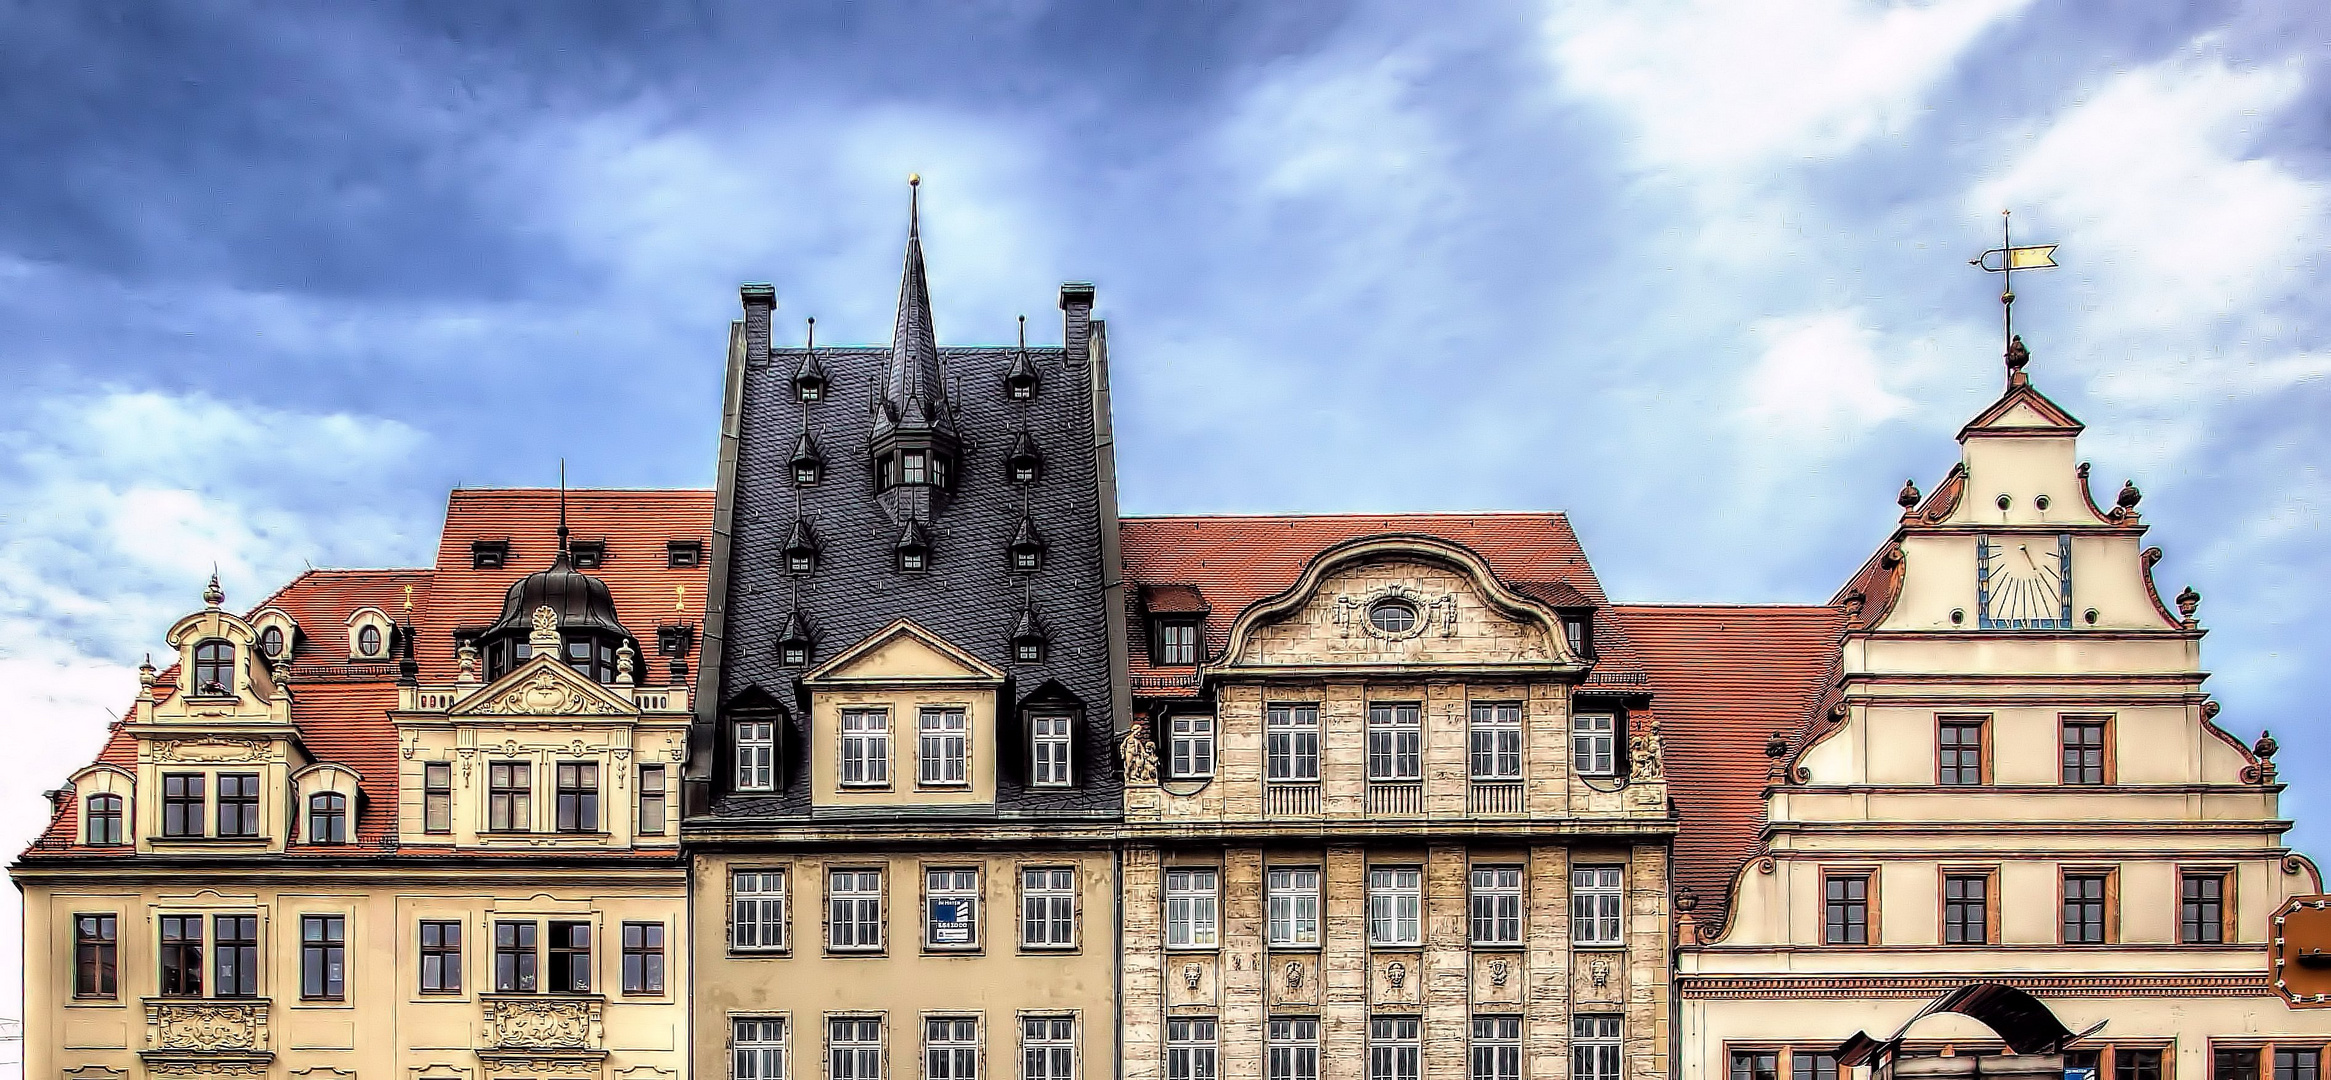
(372, 636)
(808, 463)
(801, 548)
(1026, 549)
(1028, 636)
(911, 553)
(1020, 379)
(1023, 462)
(1176, 616)
(216, 749)
(809, 380)
(902, 718)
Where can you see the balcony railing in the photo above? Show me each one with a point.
(1395, 798)
(1291, 800)
(1494, 797)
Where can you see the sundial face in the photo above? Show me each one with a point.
(2024, 582)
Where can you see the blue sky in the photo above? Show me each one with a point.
(275, 277)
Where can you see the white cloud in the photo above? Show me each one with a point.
(1818, 376)
(1714, 84)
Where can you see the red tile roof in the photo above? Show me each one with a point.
(1234, 561)
(1724, 678)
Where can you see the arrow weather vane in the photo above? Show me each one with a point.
(2011, 259)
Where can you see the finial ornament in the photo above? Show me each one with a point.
(1908, 496)
(544, 637)
(2011, 259)
(2017, 357)
(146, 673)
(212, 595)
(2188, 602)
(2129, 496)
(2265, 750)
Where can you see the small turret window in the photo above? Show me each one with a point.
(795, 654)
(805, 473)
(588, 554)
(1029, 651)
(1021, 387)
(912, 470)
(809, 390)
(912, 559)
(214, 668)
(1027, 559)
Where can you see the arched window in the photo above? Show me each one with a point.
(327, 818)
(368, 640)
(214, 668)
(104, 824)
(271, 641)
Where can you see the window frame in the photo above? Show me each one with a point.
(329, 807)
(879, 898)
(1184, 740)
(323, 957)
(868, 747)
(1060, 935)
(96, 955)
(1944, 773)
(656, 796)
(1298, 1046)
(1292, 917)
(1176, 644)
(646, 964)
(963, 884)
(1395, 742)
(1395, 1047)
(436, 797)
(1594, 748)
(2108, 910)
(875, 1050)
(761, 898)
(576, 959)
(439, 958)
(1505, 926)
(1191, 899)
(1489, 727)
(1395, 907)
(953, 746)
(1987, 923)
(1598, 905)
(753, 752)
(1050, 1041)
(1833, 927)
(1604, 1036)
(959, 1039)
(1051, 754)
(241, 803)
(2224, 927)
(510, 796)
(576, 787)
(2106, 771)
(188, 806)
(1187, 1040)
(763, 1047)
(180, 955)
(1284, 742)
(517, 956)
(214, 657)
(235, 962)
(104, 806)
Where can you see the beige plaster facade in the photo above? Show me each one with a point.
(2019, 780)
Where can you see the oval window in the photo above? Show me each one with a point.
(368, 641)
(271, 641)
(1393, 616)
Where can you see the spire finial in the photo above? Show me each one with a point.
(810, 338)
(914, 204)
(1023, 331)
(2012, 259)
(562, 506)
(212, 595)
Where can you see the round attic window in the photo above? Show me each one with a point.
(271, 641)
(1392, 616)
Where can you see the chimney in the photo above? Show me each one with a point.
(1076, 303)
(760, 300)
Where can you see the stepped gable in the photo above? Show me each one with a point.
(1724, 678)
(1225, 563)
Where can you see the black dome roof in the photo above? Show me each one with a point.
(580, 600)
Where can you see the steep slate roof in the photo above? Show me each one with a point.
(341, 709)
(1232, 561)
(1724, 678)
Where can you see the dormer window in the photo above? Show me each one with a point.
(489, 554)
(809, 380)
(1578, 634)
(1021, 387)
(1028, 651)
(913, 466)
(1027, 547)
(913, 550)
(805, 473)
(683, 554)
(801, 548)
(794, 640)
(271, 642)
(368, 641)
(808, 390)
(912, 561)
(327, 818)
(214, 668)
(795, 655)
(1177, 642)
(673, 640)
(1020, 378)
(588, 554)
(807, 463)
(1023, 462)
(1028, 637)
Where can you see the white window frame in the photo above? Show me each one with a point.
(1191, 748)
(1395, 905)
(1291, 1048)
(1494, 741)
(756, 755)
(1178, 642)
(1193, 1048)
(942, 746)
(1291, 743)
(1597, 1051)
(1050, 738)
(1193, 907)
(758, 911)
(1048, 905)
(950, 884)
(1598, 905)
(1496, 1049)
(1395, 741)
(956, 1036)
(1050, 1038)
(865, 748)
(1594, 744)
(1494, 904)
(1291, 904)
(848, 903)
(764, 1038)
(862, 1051)
(1395, 1047)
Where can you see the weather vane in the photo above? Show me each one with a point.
(2011, 259)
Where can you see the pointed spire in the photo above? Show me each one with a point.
(1020, 379)
(809, 380)
(562, 508)
(212, 595)
(1028, 626)
(914, 389)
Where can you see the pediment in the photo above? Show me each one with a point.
(1458, 614)
(542, 686)
(2023, 410)
(904, 652)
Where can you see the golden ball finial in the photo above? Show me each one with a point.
(914, 179)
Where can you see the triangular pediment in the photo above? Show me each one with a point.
(2023, 410)
(904, 652)
(543, 686)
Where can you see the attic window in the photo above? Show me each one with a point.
(588, 554)
(683, 554)
(488, 554)
(673, 640)
(913, 560)
(271, 642)
(805, 473)
(214, 668)
(368, 641)
(1177, 641)
(1027, 558)
(1021, 387)
(1576, 633)
(1023, 462)
(1028, 651)
(809, 390)
(795, 654)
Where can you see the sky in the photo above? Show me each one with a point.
(275, 277)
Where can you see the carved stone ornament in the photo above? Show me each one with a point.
(208, 1027)
(1294, 973)
(213, 748)
(1500, 970)
(545, 635)
(515, 1023)
(1643, 753)
(1138, 755)
(548, 694)
(1438, 612)
(1396, 973)
(1599, 969)
(1191, 973)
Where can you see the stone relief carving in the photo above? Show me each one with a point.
(1600, 970)
(548, 694)
(93, 1072)
(251, 1065)
(541, 1024)
(320, 1072)
(216, 748)
(1499, 971)
(1191, 973)
(1138, 755)
(1396, 973)
(1437, 612)
(545, 632)
(1643, 754)
(1294, 974)
(208, 1027)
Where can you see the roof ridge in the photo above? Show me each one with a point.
(1313, 516)
(461, 492)
(1722, 606)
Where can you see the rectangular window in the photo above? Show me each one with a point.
(1291, 902)
(1594, 744)
(238, 804)
(440, 957)
(643, 958)
(509, 796)
(1047, 1048)
(437, 797)
(96, 949)
(1966, 909)
(865, 747)
(854, 1048)
(1496, 1050)
(1959, 752)
(1291, 1049)
(1756, 1065)
(1049, 738)
(1192, 1052)
(2298, 1063)
(514, 957)
(951, 1048)
(757, 1049)
(1597, 897)
(2130, 1064)
(682, 554)
(1395, 906)
(1291, 742)
(2084, 914)
(1191, 906)
(1494, 742)
(1048, 907)
(1495, 905)
(1395, 742)
(323, 957)
(2202, 910)
(182, 804)
(756, 752)
(951, 909)
(1846, 910)
(1392, 1048)
(1177, 643)
(570, 958)
(1594, 1048)
(944, 747)
(854, 910)
(652, 796)
(1812, 1065)
(104, 819)
(2083, 751)
(578, 796)
(912, 469)
(2240, 1063)
(181, 956)
(757, 911)
(234, 955)
(1192, 749)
